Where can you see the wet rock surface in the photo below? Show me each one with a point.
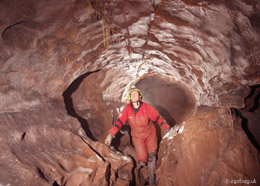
(213, 149)
(42, 149)
(65, 69)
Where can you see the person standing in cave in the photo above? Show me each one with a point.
(140, 116)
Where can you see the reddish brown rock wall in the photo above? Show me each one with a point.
(212, 150)
(40, 149)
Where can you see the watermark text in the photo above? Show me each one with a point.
(240, 181)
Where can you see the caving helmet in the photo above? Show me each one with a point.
(132, 90)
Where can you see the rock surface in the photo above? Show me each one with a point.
(65, 69)
(211, 150)
(44, 145)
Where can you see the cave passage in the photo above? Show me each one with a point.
(83, 100)
(174, 102)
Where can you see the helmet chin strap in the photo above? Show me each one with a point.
(137, 102)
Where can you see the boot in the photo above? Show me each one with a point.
(151, 167)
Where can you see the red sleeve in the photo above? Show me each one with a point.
(155, 117)
(120, 121)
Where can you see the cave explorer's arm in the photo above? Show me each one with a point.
(155, 117)
(120, 122)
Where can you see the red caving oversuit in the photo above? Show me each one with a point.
(143, 131)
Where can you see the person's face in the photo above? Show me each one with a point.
(134, 96)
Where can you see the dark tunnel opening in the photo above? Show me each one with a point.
(173, 100)
(69, 103)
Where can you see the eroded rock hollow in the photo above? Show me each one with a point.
(66, 67)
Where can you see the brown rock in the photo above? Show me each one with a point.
(211, 150)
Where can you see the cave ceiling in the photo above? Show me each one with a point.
(211, 47)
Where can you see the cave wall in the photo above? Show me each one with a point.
(45, 146)
(65, 69)
(213, 149)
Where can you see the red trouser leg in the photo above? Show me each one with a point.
(152, 143)
(145, 146)
(140, 149)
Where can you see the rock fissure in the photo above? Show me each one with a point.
(10, 27)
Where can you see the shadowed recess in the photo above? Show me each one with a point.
(173, 100)
(69, 103)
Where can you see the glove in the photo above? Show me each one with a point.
(170, 133)
(108, 139)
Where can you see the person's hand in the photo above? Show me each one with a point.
(108, 139)
(170, 133)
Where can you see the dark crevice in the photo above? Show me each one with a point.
(108, 174)
(23, 136)
(253, 90)
(133, 181)
(256, 103)
(250, 116)
(69, 103)
(10, 27)
(256, 98)
(244, 124)
(55, 184)
(42, 174)
(249, 134)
